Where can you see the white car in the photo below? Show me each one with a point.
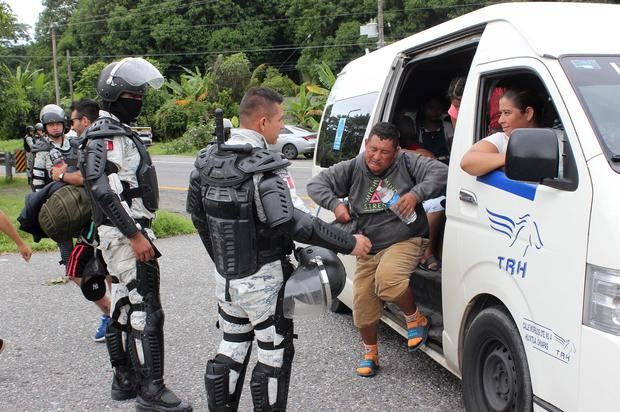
(294, 140)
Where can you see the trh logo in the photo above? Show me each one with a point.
(523, 228)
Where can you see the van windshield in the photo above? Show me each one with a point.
(596, 80)
(343, 128)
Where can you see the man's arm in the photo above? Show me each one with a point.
(279, 212)
(9, 229)
(194, 206)
(70, 178)
(331, 185)
(431, 176)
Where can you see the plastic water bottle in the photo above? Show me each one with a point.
(56, 157)
(389, 197)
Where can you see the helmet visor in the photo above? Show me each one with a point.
(137, 72)
(307, 292)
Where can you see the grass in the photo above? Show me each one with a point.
(12, 197)
(160, 148)
(11, 145)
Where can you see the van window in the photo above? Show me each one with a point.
(343, 129)
(597, 83)
(493, 86)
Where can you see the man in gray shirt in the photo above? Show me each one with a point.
(384, 274)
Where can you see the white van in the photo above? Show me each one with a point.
(527, 308)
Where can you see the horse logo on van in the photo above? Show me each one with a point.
(523, 228)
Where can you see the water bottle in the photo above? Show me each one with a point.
(389, 197)
(56, 157)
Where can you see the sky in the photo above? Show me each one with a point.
(27, 11)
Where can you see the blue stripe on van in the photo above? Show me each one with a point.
(499, 180)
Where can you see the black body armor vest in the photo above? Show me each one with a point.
(241, 242)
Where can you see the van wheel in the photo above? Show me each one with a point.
(289, 151)
(496, 376)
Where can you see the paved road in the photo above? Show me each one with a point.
(50, 363)
(173, 174)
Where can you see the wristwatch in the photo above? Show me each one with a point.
(61, 177)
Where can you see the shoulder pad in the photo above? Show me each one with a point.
(105, 127)
(42, 145)
(94, 159)
(263, 160)
(219, 169)
(203, 155)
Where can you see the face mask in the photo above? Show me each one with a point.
(127, 110)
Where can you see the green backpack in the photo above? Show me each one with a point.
(65, 213)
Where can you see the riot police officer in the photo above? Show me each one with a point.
(52, 148)
(243, 204)
(50, 151)
(122, 184)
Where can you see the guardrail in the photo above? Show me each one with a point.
(8, 160)
(15, 160)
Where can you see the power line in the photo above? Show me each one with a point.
(277, 48)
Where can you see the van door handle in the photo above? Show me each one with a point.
(468, 196)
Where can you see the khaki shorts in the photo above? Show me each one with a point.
(383, 277)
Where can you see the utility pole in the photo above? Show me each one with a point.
(381, 41)
(56, 85)
(69, 74)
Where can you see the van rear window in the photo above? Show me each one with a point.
(343, 129)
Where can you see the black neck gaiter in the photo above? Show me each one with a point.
(127, 110)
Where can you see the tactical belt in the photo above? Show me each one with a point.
(144, 222)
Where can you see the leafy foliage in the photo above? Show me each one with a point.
(170, 120)
(208, 49)
(232, 73)
(304, 110)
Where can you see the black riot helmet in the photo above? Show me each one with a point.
(29, 129)
(317, 281)
(52, 113)
(132, 75)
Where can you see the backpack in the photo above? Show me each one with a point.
(65, 213)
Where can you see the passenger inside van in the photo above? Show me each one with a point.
(455, 93)
(494, 112)
(518, 108)
(433, 134)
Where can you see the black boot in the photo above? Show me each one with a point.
(154, 396)
(124, 384)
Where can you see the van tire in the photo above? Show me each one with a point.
(339, 307)
(496, 375)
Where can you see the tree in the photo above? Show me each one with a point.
(232, 72)
(13, 116)
(86, 86)
(10, 29)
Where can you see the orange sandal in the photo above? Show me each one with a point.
(368, 366)
(417, 333)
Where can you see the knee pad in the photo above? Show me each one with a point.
(217, 382)
(259, 384)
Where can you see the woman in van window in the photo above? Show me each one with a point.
(518, 109)
(455, 93)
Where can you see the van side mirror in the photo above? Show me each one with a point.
(532, 155)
